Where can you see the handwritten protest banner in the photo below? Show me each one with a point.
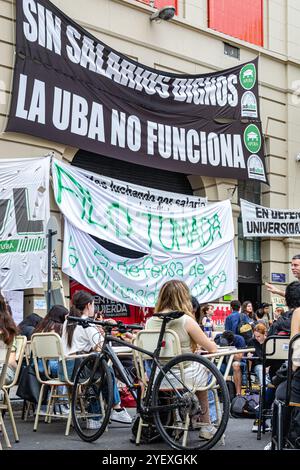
(171, 224)
(209, 275)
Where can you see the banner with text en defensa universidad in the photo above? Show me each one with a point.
(259, 221)
(137, 281)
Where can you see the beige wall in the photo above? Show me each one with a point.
(185, 44)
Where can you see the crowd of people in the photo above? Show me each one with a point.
(244, 328)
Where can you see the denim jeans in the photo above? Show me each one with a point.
(52, 366)
(258, 369)
(69, 366)
(10, 374)
(94, 406)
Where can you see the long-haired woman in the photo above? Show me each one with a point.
(53, 321)
(175, 295)
(77, 339)
(247, 309)
(8, 333)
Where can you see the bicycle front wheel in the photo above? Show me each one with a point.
(190, 403)
(92, 398)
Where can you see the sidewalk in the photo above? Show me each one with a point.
(238, 436)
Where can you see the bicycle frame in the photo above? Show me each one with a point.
(108, 352)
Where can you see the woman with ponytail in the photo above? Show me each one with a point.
(77, 339)
(8, 332)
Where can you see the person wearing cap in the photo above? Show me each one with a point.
(295, 267)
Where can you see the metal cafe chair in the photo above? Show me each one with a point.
(283, 407)
(275, 348)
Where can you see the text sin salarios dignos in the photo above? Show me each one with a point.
(42, 26)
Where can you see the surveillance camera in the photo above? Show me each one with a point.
(166, 13)
(298, 157)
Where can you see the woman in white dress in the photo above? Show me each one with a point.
(175, 295)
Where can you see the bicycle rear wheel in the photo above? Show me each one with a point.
(92, 398)
(190, 403)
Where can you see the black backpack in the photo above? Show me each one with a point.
(294, 428)
(244, 328)
(150, 433)
(245, 406)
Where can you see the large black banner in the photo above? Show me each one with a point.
(71, 88)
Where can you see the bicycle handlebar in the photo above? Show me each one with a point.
(85, 322)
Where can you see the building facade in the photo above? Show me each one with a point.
(204, 36)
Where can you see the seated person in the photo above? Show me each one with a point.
(175, 295)
(76, 339)
(27, 326)
(238, 368)
(8, 332)
(53, 321)
(259, 337)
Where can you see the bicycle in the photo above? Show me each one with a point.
(170, 398)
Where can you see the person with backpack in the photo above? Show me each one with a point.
(238, 322)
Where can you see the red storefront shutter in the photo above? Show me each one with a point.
(161, 3)
(165, 3)
(240, 19)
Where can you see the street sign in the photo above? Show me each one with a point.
(278, 277)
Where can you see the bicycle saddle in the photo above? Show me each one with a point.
(169, 316)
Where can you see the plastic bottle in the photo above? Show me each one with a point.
(208, 328)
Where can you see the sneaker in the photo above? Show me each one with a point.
(268, 446)
(268, 427)
(255, 426)
(207, 431)
(120, 416)
(41, 413)
(63, 409)
(93, 424)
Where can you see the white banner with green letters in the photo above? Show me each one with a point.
(177, 237)
(209, 275)
(139, 218)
